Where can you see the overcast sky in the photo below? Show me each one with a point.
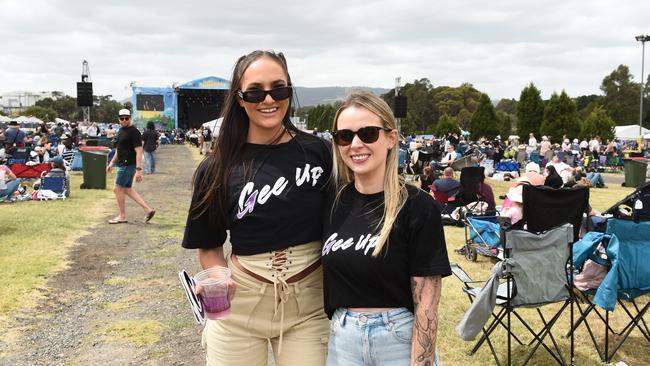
(499, 46)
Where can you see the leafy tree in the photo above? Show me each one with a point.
(460, 102)
(64, 105)
(598, 123)
(45, 114)
(105, 109)
(420, 110)
(508, 106)
(446, 124)
(530, 112)
(505, 124)
(584, 101)
(321, 117)
(621, 98)
(484, 121)
(560, 117)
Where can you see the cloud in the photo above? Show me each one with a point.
(498, 46)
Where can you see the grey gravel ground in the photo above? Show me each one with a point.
(121, 278)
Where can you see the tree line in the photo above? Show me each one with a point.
(104, 109)
(443, 109)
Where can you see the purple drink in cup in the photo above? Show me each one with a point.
(214, 295)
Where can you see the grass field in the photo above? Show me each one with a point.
(35, 237)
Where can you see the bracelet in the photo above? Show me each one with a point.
(138, 168)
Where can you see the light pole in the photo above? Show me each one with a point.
(641, 38)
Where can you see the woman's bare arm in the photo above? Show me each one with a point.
(426, 298)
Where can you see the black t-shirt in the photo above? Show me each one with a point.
(150, 140)
(127, 140)
(416, 247)
(277, 203)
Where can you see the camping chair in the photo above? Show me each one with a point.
(534, 270)
(462, 162)
(57, 185)
(534, 157)
(29, 171)
(540, 252)
(469, 195)
(628, 279)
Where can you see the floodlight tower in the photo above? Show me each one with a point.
(643, 39)
(85, 91)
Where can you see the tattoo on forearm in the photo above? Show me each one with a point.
(426, 297)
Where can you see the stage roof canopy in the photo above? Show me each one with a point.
(209, 82)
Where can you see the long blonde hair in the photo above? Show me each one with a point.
(395, 193)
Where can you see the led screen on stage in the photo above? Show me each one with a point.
(150, 103)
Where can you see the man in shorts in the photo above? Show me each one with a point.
(128, 159)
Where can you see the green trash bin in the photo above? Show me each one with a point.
(94, 161)
(635, 171)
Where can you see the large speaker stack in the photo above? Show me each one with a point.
(399, 108)
(85, 94)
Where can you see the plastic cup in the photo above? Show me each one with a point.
(214, 297)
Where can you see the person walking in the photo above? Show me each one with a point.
(149, 145)
(384, 252)
(266, 183)
(128, 158)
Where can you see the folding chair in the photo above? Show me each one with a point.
(535, 275)
(29, 171)
(535, 269)
(628, 279)
(57, 185)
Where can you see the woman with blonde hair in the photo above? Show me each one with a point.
(384, 252)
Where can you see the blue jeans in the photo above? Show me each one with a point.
(596, 179)
(150, 161)
(11, 187)
(364, 339)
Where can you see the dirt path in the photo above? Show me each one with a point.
(120, 302)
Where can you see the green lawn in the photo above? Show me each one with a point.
(35, 238)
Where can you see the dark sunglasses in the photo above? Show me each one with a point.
(258, 96)
(367, 135)
(125, 118)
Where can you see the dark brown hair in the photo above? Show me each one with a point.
(212, 186)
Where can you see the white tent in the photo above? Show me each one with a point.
(61, 120)
(5, 119)
(214, 125)
(629, 132)
(23, 119)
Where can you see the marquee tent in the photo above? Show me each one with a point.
(629, 132)
(214, 125)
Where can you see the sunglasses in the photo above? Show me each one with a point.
(125, 118)
(258, 96)
(367, 135)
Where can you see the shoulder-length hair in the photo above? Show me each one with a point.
(212, 184)
(395, 193)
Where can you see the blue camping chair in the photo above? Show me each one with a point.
(56, 184)
(627, 247)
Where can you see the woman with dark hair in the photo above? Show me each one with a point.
(423, 181)
(265, 182)
(149, 145)
(553, 179)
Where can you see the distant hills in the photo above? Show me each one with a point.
(329, 94)
(324, 95)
